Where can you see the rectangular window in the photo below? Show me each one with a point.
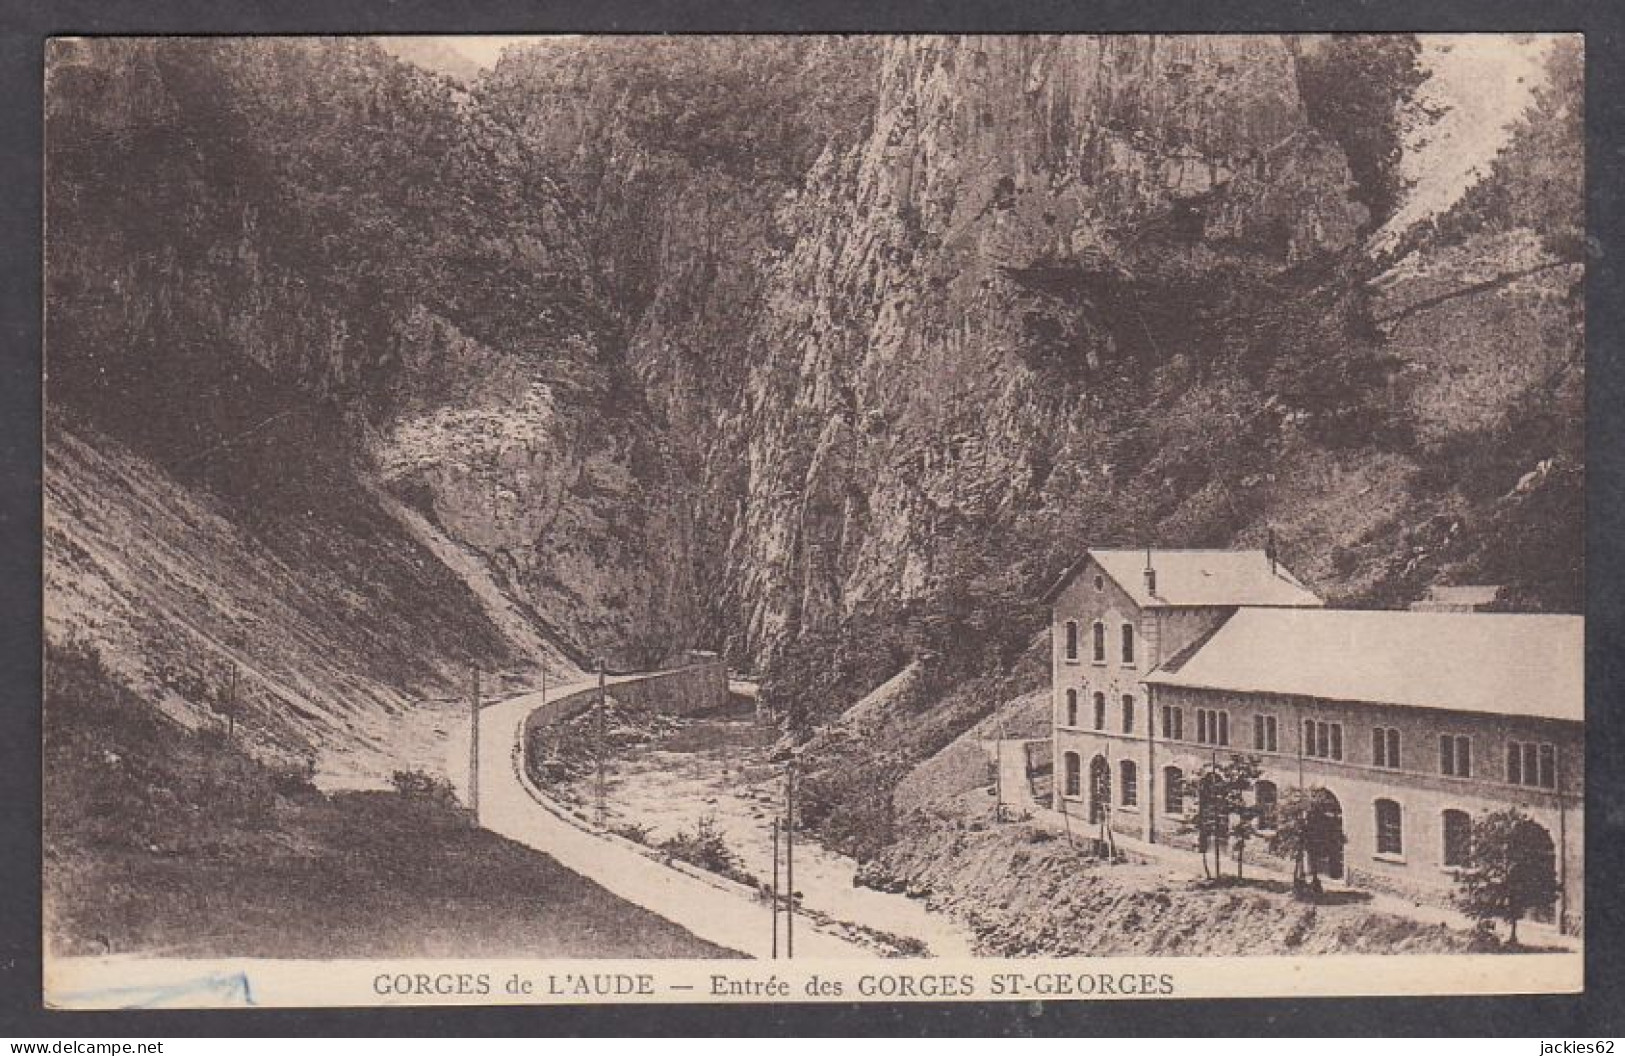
(1455, 755)
(1128, 713)
(1100, 642)
(1100, 711)
(1530, 764)
(1172, 723)
(1071, 639)
(1265, 737)
(1385, 747)
(1390, 833)
(1323, 740)
(1128, 643)
(1212, 726)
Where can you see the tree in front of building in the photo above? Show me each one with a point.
(1223, 817)
(1511, 869)
(1309, 830)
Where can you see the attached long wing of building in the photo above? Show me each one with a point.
(1414, 721)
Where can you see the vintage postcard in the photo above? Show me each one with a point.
(812, 518)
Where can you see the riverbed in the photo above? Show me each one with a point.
(717, 767)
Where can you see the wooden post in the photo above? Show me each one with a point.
(1562, 843)
(775, 889)
(790, 860)
(601, 736)
(474, 749)
(1151, 760)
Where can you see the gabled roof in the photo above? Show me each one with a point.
(1494, 663)
(1198, 578)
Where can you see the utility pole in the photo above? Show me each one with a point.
(601, 735)
(790, 859)
(775, 889)
(474, 749)
(998, 766)
(231, 705)
(1562, 844)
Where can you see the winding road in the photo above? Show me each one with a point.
(509, 807)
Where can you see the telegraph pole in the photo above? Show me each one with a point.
(998, 766)
(775, 889)
(1562, 845)
(231, 705)
(790, 859)
(474, 749)
(600, 752)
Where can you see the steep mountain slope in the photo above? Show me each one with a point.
(324, 637)
(832, 351)
(247, 230)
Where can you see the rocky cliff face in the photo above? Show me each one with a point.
(897, 385)
(1055, 291)
(828, 351)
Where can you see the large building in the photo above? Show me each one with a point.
(1415, 721)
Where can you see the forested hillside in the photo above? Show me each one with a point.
(827, 352)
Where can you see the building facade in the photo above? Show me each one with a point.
(1164, 661)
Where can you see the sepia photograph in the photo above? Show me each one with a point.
(637, 519)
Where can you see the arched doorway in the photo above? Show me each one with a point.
(1265, 800)
(1331, 864)
(1100, 789)
(1545, 851)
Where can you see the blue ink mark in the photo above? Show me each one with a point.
(228, 988)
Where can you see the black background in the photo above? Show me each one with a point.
(24, 25)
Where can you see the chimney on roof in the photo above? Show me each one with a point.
(1150, 575)
(1269, 550)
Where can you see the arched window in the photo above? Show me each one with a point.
(1173, 790)
(1129, 777)
(1458, 837)
(1071, 707)
(1128, 643)
(1071, 639)
(1100, 711)
(1128, 713)
(1100, 642)
(1390, 830)
(1265, 798)
(1100, 788)
(1074, 775)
